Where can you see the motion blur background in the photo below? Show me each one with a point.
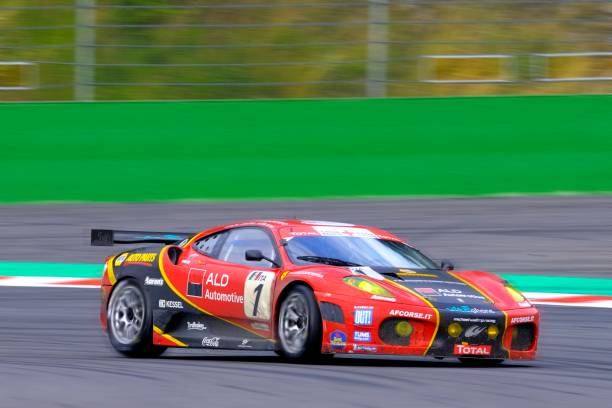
(203, 49)
(132, 107)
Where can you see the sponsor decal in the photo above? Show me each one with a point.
(170, 304)
(153, 281)
(438, 281)
(332, 231)
(258, 276)
(195, 282)
(362, 336)
(198, 278)
(183, 242)
(188, 260)
(119, 260)
(473, 320)
(522, 319)
(260, 326)
(413, 315)
(245, 344)
(474, 331)
(526, 303)
(327, 223)
(361, 347)
(196, 326)
(415, 274)
(468, 309)
(302, 234)
(362, 315)
(143, 258)
(337, 339)
(217, 279)
(472, 350)
(258, 295)
(284, 275)
(223, 297)
(385, 298)
(307, 273)
(427, 291)
(210, 342)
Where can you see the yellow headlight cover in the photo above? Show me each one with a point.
(367, 286)
(516, 295)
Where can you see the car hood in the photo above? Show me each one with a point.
(442, 289)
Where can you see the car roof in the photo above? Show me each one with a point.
(284, 225)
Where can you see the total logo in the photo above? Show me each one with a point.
(153, 281)
(170, 304)
(522, 319)
(210, 342)
(196, 326)
(471, 350)
(363, 315)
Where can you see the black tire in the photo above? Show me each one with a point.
(130, 323)
(306, 348)
(481, 362)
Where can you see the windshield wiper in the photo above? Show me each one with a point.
(325, 260)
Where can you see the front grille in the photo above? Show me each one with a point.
(332, 312)
(522, 336)
(387, 332)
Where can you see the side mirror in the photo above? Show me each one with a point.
(256, 255)
(446, 265)
(253, 255)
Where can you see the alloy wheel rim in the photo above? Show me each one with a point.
(126, 315)
(294, 323)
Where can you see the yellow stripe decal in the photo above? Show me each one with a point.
(110, 271)
(168, 337)
(429, 304)
(179, 294)
(486, 296)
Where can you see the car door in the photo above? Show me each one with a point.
(228, 285)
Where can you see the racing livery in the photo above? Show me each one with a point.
(306, 289)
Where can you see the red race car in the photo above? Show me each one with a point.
(306, 289)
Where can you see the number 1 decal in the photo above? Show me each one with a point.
(258, 295)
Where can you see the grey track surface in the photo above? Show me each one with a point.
(53, 354)
(541, 235)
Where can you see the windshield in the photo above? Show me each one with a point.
(350, 251)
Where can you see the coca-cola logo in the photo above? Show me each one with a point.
(210, 342)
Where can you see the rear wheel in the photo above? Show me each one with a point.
(299, 326)
(129, 321)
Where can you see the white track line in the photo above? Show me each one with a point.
(539, 298)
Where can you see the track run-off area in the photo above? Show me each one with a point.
(556, 249)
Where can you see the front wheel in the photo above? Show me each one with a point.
(130, 327)
(299, 326)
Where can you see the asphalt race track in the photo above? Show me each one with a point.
(52, 353)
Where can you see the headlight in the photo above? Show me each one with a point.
(454, 329)
(367, 286)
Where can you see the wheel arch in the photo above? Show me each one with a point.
(281, 296)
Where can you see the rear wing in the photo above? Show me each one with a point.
(102, 237)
